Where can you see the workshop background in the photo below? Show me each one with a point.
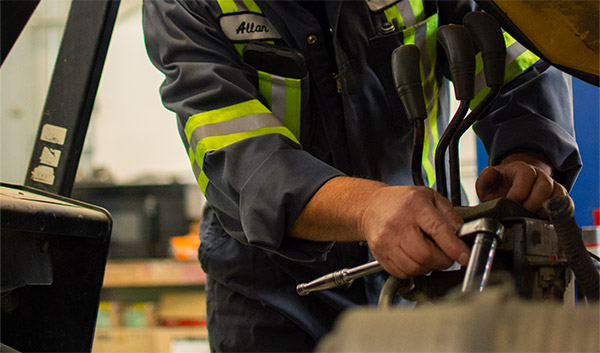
(133, 151)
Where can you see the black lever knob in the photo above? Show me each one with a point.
(407, 79)
(460, 51)
(487, 35)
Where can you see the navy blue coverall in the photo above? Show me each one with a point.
(257, 176)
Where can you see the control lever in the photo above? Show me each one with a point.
(487, 35)
(457, 44)
(486, 233)
(406, 60)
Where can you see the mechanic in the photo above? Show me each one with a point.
(302, 173)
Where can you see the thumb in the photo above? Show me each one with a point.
(489, 184)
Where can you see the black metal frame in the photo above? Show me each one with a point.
(54, 249)
(71, 95)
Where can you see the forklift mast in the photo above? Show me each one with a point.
(54, 248)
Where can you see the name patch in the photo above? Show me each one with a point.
(242, 27)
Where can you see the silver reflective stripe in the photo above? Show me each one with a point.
(196, 169)
(480, 81)
(240, 5)
(278, 88)
(406, 11)
(512, 53)
(243, 124)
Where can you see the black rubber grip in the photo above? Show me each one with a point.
(460, 51)
(407, 80)
(487, 35)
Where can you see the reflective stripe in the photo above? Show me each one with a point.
(407, 12)
(284, 96)
(278, 95)
(392, 13)
(246, 123)
(293, 113)
(228, 6)
(198, 173)
(227, 113)
(231, 6)
(251, 6)
(219, 128)
(418, 10)
(518, 59)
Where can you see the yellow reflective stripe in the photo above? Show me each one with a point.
(201, 178)
(228, 6)
(508, 39)
(433, 104)
(427, 165)
(520, 64)
(418, 10)
(214, 143)
(191, 155)
(224, 114)
(251, 5)
(283, 96)
(203, 182)
(514, 67)
(265, 87)
(239, 47)
(407, 12)
(293, 95)
(409, 35)
(391, 13)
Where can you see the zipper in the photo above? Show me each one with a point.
(338, 82)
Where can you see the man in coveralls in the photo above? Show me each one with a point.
(306, 175)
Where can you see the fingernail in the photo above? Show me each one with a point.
(464, 259)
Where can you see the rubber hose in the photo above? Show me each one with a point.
(560, 210)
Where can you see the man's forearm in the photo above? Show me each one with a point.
(335, 211)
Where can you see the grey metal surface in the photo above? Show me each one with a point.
(492, 321)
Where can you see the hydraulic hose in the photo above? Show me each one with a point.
(560, 210)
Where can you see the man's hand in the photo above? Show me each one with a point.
(411, 230)
(523, 177)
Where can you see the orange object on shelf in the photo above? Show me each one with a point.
(185, 247)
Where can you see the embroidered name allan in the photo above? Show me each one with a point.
(247, 26)
(251, 28)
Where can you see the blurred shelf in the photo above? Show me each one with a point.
(152, 272)
(147, 339)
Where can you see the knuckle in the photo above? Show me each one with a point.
(414, 269)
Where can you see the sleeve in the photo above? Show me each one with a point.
(534, 112)
(252, 169)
